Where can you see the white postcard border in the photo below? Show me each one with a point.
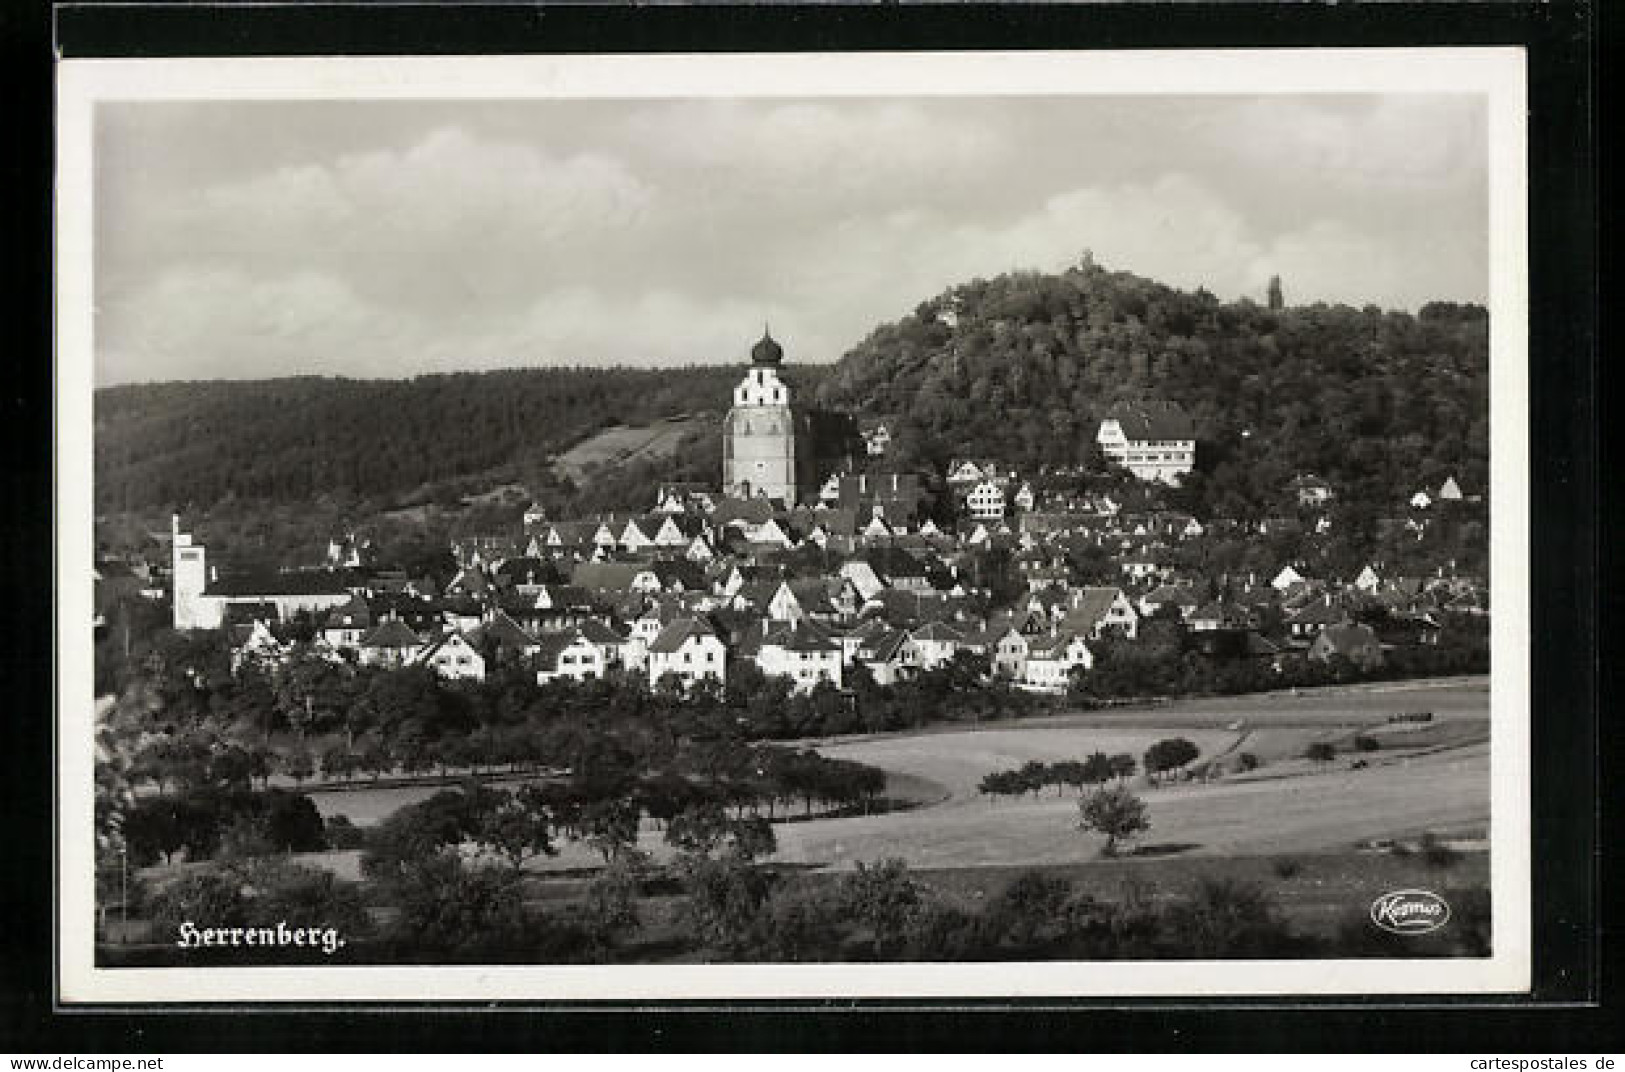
(1497, 74)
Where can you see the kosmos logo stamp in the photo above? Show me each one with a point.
(1410, 912)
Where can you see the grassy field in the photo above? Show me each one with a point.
(619, 445)
(1432, 778)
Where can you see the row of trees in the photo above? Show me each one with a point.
(1158, 663)
(1036, 775)
(1162, 758)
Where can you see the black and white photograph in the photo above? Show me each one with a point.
(794, 525)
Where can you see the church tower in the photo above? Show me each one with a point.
(759, 438)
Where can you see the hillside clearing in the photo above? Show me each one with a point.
(622, 444)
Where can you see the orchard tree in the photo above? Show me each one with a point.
(611, 827)
(1115, 812)
(1169, 755)
(516, 829)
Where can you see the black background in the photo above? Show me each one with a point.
(1575, 1005)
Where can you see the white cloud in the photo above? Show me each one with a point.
(666, 232)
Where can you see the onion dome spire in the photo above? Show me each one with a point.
(766, 352)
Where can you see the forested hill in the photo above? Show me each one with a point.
(195, 444)
(1021, 367)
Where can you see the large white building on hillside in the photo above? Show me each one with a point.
(1153, 440)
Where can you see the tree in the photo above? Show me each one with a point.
(883, 897)
(1115, 812)
(515, 829)
(1320, 752)
(611, 827)
(452, 912)
(208, 899)
(310, 689)
(1097, 768)
(1169, 754)
(725, 896)
(698, 829)
(611, 905)
(313, 896)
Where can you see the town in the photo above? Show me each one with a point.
(811, 576)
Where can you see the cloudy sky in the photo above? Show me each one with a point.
(395, 238)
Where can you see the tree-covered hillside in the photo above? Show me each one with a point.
(196, 444)
(1021, 368)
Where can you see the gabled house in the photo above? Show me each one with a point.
(1304, 623)
(1096, 611)
(1009, 653)
(863, 577)
(569, 655)
(1356, 643)
(1216, 615)
(469, 583)
(935, 644)
(504, 640)
(452, 657)
(347, 624)
(1287, 578)
(985, 501)
(253, 642)
(390, 644)
(1181, 597)
(691, 649)
(1051, 660)
(803, 652)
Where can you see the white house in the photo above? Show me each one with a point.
(1154, 440)
(890, 657)
(935, 644)
(1287, 578)
(1024, 498)
(877, 439)
(569, 655)
(1097, 611)
(986, 501)
(1051, 660)
(454, 658)
(805, 654)
(863, 577)
(346, 625)
(690, 649)
(1009, 654)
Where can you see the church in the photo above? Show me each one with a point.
(774, 447)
